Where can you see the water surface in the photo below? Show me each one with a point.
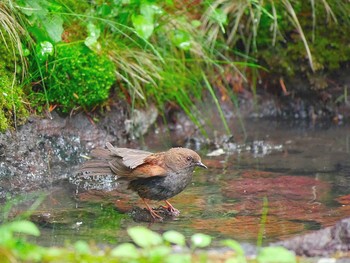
(302, 170)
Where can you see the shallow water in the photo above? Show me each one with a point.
(303, 171)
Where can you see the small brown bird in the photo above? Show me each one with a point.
(154, 176)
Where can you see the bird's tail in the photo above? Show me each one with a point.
(94, 168)
(97, 165)
(104, 162)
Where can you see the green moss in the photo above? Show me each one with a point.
(78, 77)
(328, 41)
(11, 102)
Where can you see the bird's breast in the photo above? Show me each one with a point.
(161, 187)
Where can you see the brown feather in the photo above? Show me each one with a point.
(117, 166)
(123, 161)
(95, 167)
(132, 158)
(148, 170)
(100, 153)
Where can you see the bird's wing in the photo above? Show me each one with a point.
(131, 158)
(153, 166)
(125, 163)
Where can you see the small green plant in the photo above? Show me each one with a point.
(13, 244)
(147, 246)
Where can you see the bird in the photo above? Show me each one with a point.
(153, 176)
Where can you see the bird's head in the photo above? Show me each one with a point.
(183, 158)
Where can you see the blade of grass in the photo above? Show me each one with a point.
(295, 21)
(222, 116)
(265, 210)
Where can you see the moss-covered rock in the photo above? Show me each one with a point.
(78, 77)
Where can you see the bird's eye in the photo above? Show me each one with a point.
(189, 158)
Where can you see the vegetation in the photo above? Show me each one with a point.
(77, 54)
(11, 102)
(78, 77)
(289, 38)
(12, 99)
(147, 246)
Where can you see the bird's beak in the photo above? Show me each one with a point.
(200, 164)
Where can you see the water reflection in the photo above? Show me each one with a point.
(303, 173)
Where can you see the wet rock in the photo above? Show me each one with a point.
(42, 218)
(45, 150)
(68, 218)
(323, 242)
(140, 121)
(143, 215)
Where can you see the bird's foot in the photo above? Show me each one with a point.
(171, 209)
(154, 215)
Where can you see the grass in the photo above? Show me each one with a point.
(165, 54)
(12, 64)
(289, 38)
(163, 65)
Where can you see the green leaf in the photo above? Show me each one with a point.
(54, 27)
(39, 33)
(26, 52)
(44, 50)
(5, 234)
(175, 258)
(149, 10)
(29, 252)
(275, 255)
(234, 245)
(144, 26)
(159, 252)
(219, 16)
(104, 10)
(125, 250)
(81, 247)
(200, 240)
(24, 227)
(181, 39)
(94, 33)
(33, 7)
(144, 237)
(174, 237)
(240, 256)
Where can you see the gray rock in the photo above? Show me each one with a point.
(324, 242)
(45, 150)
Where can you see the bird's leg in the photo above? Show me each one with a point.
(151, 211)
(170, 208)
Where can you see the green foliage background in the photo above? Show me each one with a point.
(79, 53)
